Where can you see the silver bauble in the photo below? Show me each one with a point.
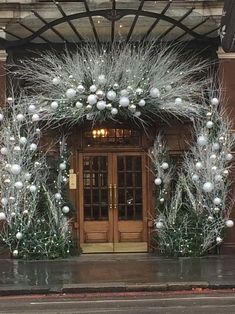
(35, 117)
(54, 105)
(65, 209)
(70, 93)
(15, 169)
(124, 101)
(78, 105)
(115, 86)
(111, 95)
(214, 101)
(20, 117)
(154, 92)
(141, 103)
(56, 81)
(101, 105)
(81, 89)
(92, 99)
(93, 88)
(208, 187)
(100, 94)
(178, 101)
(114, 111)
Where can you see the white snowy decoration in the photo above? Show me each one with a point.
(229, 223)
(217, 201)
(215, 146)
(70, 93)
(23, 140)
(4, 151)
(102, 79)
(208, 187)
(228, 157)
(215, 101)
(114, 111)
(154, 92)
(1, 117)
(142, 103)
(2, 216)
(19, 235)
(78, 105)
(198, 165)
(15, 253)
(15, 169)
(65, 209)
(124, 101)
(111, 95)
(58, 196)
(158, 181)
(92, 99)
(195, 177)
(33, 146)
(54, 105)
(159, 225)
(165, 165)
(20, 117)
(56, 80)
(32, 108)
(80, 89)
(93, 88)
(33, 188)
(35, 117)
(101, 105)
(178, 101)
(62, 166)
(209, 124)
(202, 140)
(219, 240)
(18, 185)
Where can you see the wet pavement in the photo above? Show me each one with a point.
(116, 270)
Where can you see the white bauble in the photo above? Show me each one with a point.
(79, 105)
(115, 86)
(221, 139)
(109, 106)
(161, 200)
(101, 105)
(132, 108)
(198, 165)
(114, 111)
(214, 168)
(38, 131)
(23, 140)
(81, 89)
(168, 88)
(12, 199)
(32, 146)
(62, 166)
(19, 235)
(65, 209)
(154, 92)
(215, 146)
(90, 116)
(70, 93)
(209, 124)
(89, 107)
(124, 92)
(92, 99)
(228, 157)
(229, 223)
(213, 157)
(16, 149)
(219, 240)
(165, 165)
(158, 181)
(202, 140)
(139, 91)
(15, 253)
(93, 88)
(54, 105)
(217, 201)
(1, 116)
(58, 196)
(31, 108)
(25, 212)
(15, 169)
(100, 94)
(216, 209)
(218, 178)
(12, 139)
(159, 225)
(210, 218)
(18, 185)
(4, 201)
(124, 101)
(102, 79)
(111, 95)
(27, 176)
(137, 114)
(2, 216)
(4, 151)
(208, 187)
(178, 101)
(129, 88)
(141, 103)
(56, 80)
(32, 188)
(214, 101)
(13, 214)
(20, 117)
(226, 172)
(35, 117)
(195, 177)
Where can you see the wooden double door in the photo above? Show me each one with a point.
(112, 202)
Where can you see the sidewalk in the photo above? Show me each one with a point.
(116, 273)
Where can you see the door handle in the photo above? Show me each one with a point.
(115, 195)
(110, 197)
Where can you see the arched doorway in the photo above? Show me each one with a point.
(113, 190)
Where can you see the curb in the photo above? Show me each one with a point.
(114, 287)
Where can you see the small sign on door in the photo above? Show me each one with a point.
(72, 180)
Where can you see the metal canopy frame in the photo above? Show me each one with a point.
(113, 15)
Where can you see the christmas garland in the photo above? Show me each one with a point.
(192, 218)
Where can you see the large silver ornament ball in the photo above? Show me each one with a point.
(78, 105)
(15, 169)
(33, 188)
(114, 111)
(23, 140)
(115, 86)
(229, 223)
(18, 185)
(92, 99)
(32, 147)
(65, 209)
(93, 88)
(154, 92)
(124, 101)
(15, 253)
(158, 181)
(35, 117)
(19, 235)
(202, 140)
(31, 108)
(228, 157)
(2, 216)
(4, 151)
(100, 94)
(215, 146)
(101, 105)
(165, 165)
(178, 101)
(54, 105)
(141, 103)
(217, 201)
(70, 93)
(56, 80)
(20, 117)
(81, 89)
(214, 101)
(208, 187)
(209, 124)
(58, 196)
(195, 177)
(62, 166)
(111, 95)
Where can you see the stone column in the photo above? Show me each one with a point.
(227, 81)
(3, 57)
